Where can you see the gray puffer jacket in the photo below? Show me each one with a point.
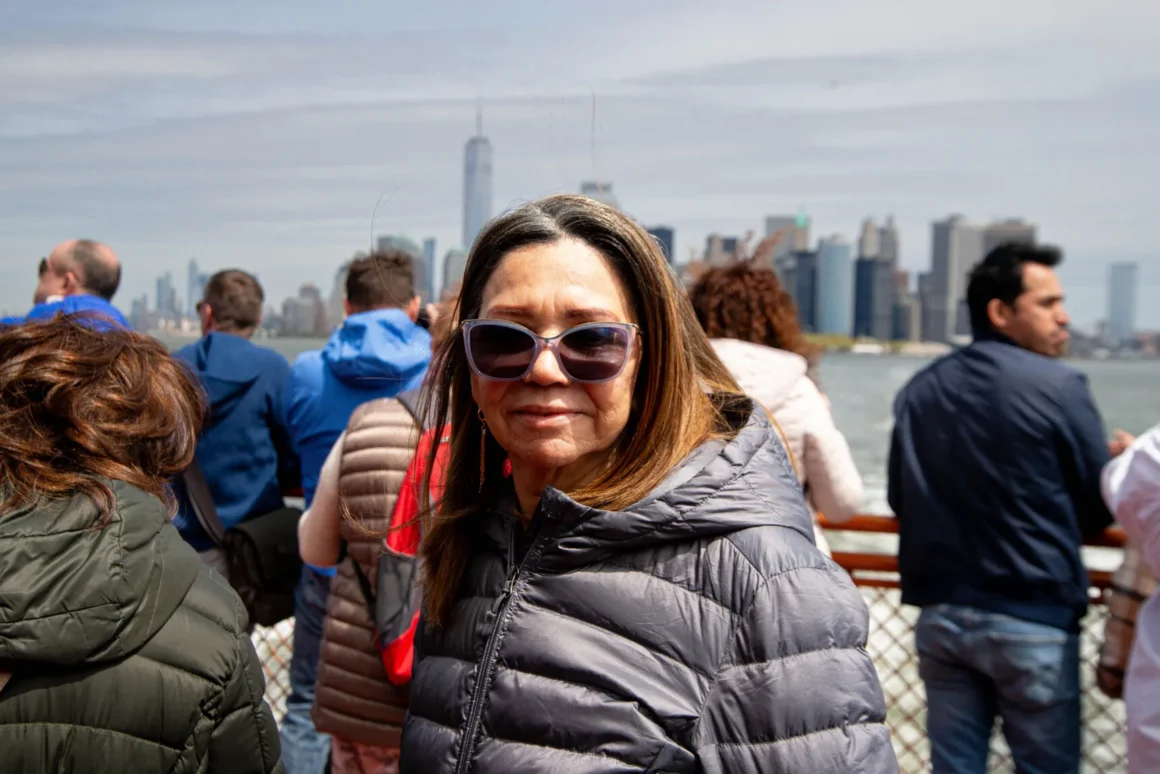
(699, 631)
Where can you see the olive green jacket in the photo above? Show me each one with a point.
(127, 654)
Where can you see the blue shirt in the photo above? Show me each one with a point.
(81, 304)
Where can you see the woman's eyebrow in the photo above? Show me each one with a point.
(517, 312)
(597, 314)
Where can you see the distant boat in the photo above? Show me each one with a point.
(867, 348)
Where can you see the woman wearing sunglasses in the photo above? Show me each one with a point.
(620, 575)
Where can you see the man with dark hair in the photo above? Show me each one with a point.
(79, 275)
(994, 474)
(245, 448)
(378, 352)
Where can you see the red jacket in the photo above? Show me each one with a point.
(403, 538)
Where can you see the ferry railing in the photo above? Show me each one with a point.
(891, 645)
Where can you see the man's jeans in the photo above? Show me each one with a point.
(304, 750)
(977, 665)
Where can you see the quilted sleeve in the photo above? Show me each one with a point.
(245, 738)
(798, 692)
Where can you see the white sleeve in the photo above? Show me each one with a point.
(319, 540)
(1130, 484)
(835, 486)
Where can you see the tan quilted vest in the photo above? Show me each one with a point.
(354, 700)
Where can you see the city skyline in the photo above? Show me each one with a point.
(839, 290)
(262, 137)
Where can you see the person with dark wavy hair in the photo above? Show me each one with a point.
(753, 325)
(119, 649)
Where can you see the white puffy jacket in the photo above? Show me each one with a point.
(778, 380)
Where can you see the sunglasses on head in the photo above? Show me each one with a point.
(505, 352)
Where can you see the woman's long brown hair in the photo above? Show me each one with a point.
(672, 412)
(84, 401)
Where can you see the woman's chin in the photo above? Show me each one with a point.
(546, 453)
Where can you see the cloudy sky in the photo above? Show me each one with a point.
(260, 134)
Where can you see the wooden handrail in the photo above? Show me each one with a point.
(1112, 537)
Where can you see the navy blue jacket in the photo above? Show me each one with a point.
(375, 354)
(994, 475)
(245, 447)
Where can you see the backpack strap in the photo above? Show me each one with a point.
(201, 501)
(410, 401)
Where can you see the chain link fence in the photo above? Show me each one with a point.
(274, 645)
(891, 645)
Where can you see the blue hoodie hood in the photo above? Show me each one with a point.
(383, 344)
(93, 305)
(227, 367)
(375, 354)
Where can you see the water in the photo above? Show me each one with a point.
(862, 388)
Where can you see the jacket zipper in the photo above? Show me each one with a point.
(486, 667)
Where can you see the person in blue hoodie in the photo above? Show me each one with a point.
(379, 351)
(245, 448)
(79, 276)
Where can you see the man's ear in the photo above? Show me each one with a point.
(205, 315)
(413, 309)
(72, 284)
(999, 314)
(347, 309)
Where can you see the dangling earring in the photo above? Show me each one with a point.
(482, 448)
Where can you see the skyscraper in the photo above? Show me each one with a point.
(795, 236)
(888, 242)
(874, 287)
(431, 290)
(476, 183)
(664, 236)
(192, 290)
(835, 287)
(865, 273)
(166, 296)
(1010, 230)
(868, 246)
(805, 284)
(454, 262)
(956, 246)
(600, 191)
(334, 307)
(1122, 280)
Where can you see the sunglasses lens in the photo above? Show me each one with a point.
(500, 352)
(596, 353)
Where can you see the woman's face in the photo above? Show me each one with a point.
(546, 421)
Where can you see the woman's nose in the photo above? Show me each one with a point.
(546, 369)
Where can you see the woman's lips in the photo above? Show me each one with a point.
(542, 416)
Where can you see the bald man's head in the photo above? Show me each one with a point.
(81, 266)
